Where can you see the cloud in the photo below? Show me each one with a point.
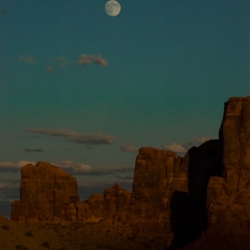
(203, 139)
(7, 166)
(61, 61)
(129, 148)
(68, 166)
(38, 150)
(182, 148)
(50, 69)
(9, 189)
(177, 148)
(84, 60)
(109, 171)
(87, 139)
(81, 168)
(27, 59)
(197, 141)
(75, 167)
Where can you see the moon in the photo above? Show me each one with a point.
(112, 8)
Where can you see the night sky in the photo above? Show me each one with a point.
(84, 90)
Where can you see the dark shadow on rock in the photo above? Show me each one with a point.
(188, 210)
(187, 218)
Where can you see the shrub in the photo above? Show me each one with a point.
(29, 234)
(5, 227)
(45, 244)
(21, 247)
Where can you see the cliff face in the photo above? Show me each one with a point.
(206, 190)
(228, 198)
(50, 195)
(157, 175)
(45, 192)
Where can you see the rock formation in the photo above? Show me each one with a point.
(50, 195)
(206, 190)
(157, 175)
(228, 198)
(45, 192)
(116, 202)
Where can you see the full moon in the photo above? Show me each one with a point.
(112, 8)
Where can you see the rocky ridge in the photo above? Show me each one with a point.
(207, 190)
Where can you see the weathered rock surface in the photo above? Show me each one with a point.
(50, 195)
(157, 175)
(228, 199)
(45, 192)
(116, 202)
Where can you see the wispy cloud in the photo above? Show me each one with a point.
(200, 140)
(110, 170)
(87, 139)
(50, 69)
(69, 166)
(98, 60)
(7, 166)
(61, 61)
(75, 167)
(129, 147)
(182, 148)
(175, 147)
(9, 189)
(85, 169)
(38, 150)
(29, 59)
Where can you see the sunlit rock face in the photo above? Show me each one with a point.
(228, 198)
(116, 202)
(112, 206)
(157, 174)
(45, 193)
(50, 195)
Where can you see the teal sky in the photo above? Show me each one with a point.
(85, 91)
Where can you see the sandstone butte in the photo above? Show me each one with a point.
(207, 190)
